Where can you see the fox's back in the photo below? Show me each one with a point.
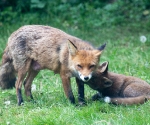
(37, 31)
(126, 86)
(45, 34)
(44, 44)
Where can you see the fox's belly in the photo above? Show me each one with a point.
(46, 61)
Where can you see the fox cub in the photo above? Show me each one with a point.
(35, 47)
(117, 88)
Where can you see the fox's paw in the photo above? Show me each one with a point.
(96, 97)
(107, 99)
(82, 103)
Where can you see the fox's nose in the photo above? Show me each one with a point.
(86, 78)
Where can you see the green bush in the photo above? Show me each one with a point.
(76, 12)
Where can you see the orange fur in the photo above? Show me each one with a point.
(35, 47)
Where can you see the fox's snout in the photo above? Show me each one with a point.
(85, 78)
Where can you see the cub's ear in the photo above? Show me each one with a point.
(103, 67)
(100, 49)
(72, 48)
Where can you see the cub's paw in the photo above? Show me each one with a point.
(97, 96)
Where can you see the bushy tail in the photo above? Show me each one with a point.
(127, 100)
(7, 72)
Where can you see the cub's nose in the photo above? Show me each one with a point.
(86, 78)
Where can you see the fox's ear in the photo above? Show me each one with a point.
(72, 48)
(103, 67)
(100, 49)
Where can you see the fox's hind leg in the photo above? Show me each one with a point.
(28, 82)
(21, 75)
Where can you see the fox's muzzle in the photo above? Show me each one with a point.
(85, 78)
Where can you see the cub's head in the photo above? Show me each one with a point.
(84, 62)
(100, 79)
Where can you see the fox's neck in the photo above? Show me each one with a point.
(113, 76)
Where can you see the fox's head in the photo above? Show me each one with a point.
(100, 79)
(84, 62)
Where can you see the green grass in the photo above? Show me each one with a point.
(126, 55)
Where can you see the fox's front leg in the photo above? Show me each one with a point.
(67, 86)
(80, 84)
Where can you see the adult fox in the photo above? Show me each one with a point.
(118, 88)
(35, 47)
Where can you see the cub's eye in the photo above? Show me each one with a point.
(92, 66)
(79, 66)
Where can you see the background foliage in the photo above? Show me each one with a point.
(76, 12)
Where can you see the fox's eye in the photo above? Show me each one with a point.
(92, 66)
(79, 66)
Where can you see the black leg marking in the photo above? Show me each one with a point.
(20, 99)
(80, 92)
